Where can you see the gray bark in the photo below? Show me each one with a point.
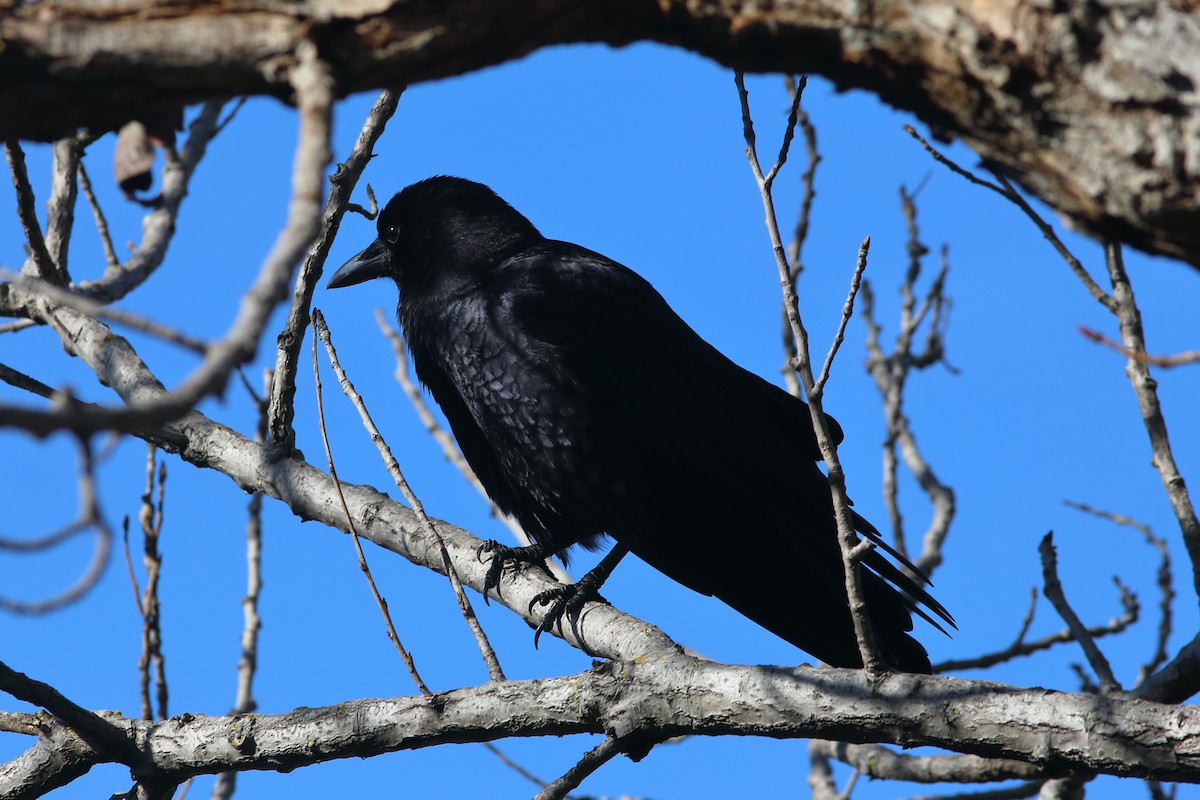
(1091, 106)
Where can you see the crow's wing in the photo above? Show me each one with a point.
(721, 488)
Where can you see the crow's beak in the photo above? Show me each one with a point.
(374, 262)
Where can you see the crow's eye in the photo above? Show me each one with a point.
(391, 235)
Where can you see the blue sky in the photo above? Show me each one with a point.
(635, 153)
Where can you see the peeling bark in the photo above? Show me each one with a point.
(1093, 107)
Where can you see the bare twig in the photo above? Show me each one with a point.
(14, 545)
(1129, 318)
(405, 656)
(12, 377)
(820, 773)
(852, 549)
(63, 296)
(110, 253)
(1166, 582)
(151, 519)
(795, 250)
(60, 208)
(514, 766)
(1053, 590)
(90, 518)
(291, 338)
(372, 209)
(1020, 647)
(248, 661)
(393, 468)
(1177, 680)
(449, 447)
(244, 703)
(313, 87)
(878, 762)
(847, 312)
(101, 734)
(1013, 649)
(159, 226)
(891, 373)
(137, 590)
(26, 211)
(1051, 236)
(595, 758)
(1006, 190)
(1188, 357)
(939, 157)
(19, 325)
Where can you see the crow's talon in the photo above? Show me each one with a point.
(500, 556)
(566, 602)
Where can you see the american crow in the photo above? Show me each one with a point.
(587, 407)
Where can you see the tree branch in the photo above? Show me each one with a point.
(315, 101)
(1106, 142)
(1129, 319)
(876, 761)
(291, 338)
(1053, 590)
(321, 330)
(107, 737)
(641, 702)
(848, 541)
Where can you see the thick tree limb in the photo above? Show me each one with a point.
(643, 703)
(654, 695)
(311, 495)
(669, 696)
(1094, 109)
(313, 86)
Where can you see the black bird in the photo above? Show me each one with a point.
(587, 407)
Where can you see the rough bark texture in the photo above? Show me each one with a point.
(643, 703)
(653, 693)
(1092, 106)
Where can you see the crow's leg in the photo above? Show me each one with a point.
(502, 554)
(567, 600)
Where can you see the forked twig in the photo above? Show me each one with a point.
(1053, 590)
(1020, 648)
(1165, 580)
(852, 549)
(1006, 190)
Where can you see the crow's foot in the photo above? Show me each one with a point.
(503, 554)
(566, 602)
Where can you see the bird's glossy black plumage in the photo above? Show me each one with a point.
(586, 406)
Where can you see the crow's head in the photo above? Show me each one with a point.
(439, 231)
